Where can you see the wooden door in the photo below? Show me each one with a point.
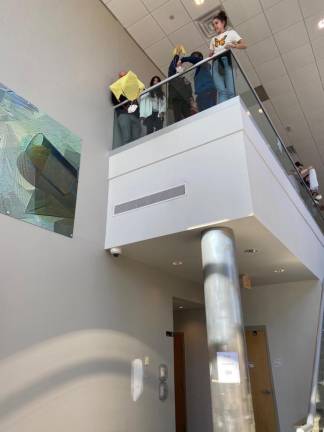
(180, 382)
(261, 381)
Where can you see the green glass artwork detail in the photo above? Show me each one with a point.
(39, 165)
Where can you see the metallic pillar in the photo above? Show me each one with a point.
(230, 385)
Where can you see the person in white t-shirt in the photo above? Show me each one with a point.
(224, 40)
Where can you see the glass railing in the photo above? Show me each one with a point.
(194, 90)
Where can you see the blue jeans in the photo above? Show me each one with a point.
(224, 83)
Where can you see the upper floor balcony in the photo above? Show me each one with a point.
(204, 160)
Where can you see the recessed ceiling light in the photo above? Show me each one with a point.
(321, 24)
(199, 2)
(279, 270)
(260, 110)
(251, 251)
(177, 263)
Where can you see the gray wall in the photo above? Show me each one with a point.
(71, 317)
(193, 324)
(290, 313)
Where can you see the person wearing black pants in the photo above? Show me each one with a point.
(180, 93)
(153, 106)
(154, 123)
(204, 83)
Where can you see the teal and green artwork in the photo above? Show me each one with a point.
(39, 165)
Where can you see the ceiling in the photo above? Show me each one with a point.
(285, 53)
(185, 249)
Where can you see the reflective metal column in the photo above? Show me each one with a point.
(230, 385)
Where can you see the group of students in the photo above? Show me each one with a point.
(211, 84)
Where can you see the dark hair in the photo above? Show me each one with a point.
(298, 164)
(158, 92)
(197, 54)
(221, 16)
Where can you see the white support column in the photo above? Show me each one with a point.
(230, 385)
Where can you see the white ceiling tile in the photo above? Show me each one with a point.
(252, 76)
(317, 125)
(312, 7)
(254, 30)
(318, 46)
(271, 70)
(161, 52)
(177, 12)
(263, 51)
(279, 86)
(240, 11)
(299, 57)
(196, 11)
(321, 70)
(283, 14)
(128, 12)
(305, 78)
(270, 109)
(153, 4)
(292, 37)
(165, 69)
(285, 103)
(188, 36)
(269, 3)
(153, 32)
(312, 26)
(204, 49)
(247, 67)
(312, 106)
(309, 88)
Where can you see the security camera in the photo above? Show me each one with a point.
(116, 252)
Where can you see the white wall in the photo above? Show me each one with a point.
(192, 323)
(71, 317)
(290, 313)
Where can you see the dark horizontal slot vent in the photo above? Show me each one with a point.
(151, 199)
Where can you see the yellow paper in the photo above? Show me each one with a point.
(179, 50)
(129, 86)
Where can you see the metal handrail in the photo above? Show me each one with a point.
(179, 74)
(278, 136)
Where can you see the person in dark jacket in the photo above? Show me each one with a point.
(204, 83)
(180, 92)
(128, 122)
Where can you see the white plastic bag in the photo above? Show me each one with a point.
(313, 182)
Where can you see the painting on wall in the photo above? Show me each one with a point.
(39, 165)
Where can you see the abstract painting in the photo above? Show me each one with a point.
(39, 165)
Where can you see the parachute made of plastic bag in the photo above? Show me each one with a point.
(129, 86)
(179, 50)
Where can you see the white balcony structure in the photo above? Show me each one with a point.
(212, 169)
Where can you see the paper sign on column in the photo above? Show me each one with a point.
(228, 368)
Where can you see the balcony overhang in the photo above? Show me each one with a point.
(224, 173)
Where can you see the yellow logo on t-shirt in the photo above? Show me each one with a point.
(219, 42)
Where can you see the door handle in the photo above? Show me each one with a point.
(266, 392)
